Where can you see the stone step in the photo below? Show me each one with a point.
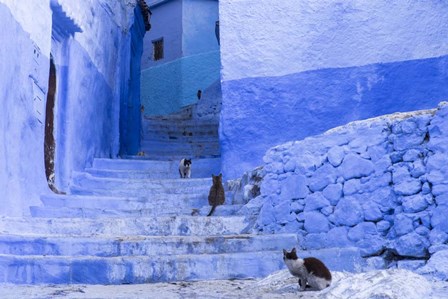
(179, 153)
(85, 183)
(83, 212)
(189, 124)
(174, 138)
(142, 245)
(157, 201)
(137, 163)
(126, 226)
(180, 144)
(137, 269)
(178, 157)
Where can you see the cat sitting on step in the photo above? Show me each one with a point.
(312, 272)
(185, 168)
(216, 196)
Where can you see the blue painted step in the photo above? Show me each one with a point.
(82, 212)
(141, 167)
(126, 226)
(137, 269)
(160, 201)
(141, 245)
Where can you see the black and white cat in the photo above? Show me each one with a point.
(185, 168)
(312, 272)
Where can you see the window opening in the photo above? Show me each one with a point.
(158, 49)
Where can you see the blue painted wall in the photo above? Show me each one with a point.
(298, 69)
(89, 69)
(192, 61)
(199, 18)
(166, 23)
(167, 88)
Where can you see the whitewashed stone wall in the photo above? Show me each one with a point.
(380, 185)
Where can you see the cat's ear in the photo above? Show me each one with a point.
(285, 252)
(220, 175)
(293, 250)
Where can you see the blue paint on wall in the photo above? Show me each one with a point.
(295, 106)
(130, 115)
(167, 88)
(199, 19)
(166, 23)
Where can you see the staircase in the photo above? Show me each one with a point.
(134, 220)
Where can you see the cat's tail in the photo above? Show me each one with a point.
(212, 210)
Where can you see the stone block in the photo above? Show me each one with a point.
(437, 236)
(327, 211)
(354, 166)
(335, 155)
(371, 245)
(372, 211)
(348, 211)
(417, 169)
(266, 215)
(270, 185)
(437, 266)
(409, 187)
(282, 213)
(352, 186)
(407, 141)
(403, 224)
(439, 219)
(333, 193)
(412, 245)
(377, 153)
(361, 231)
(439, 189)
(383, 226)
(337, 237)
(315, 241)
(293, 187)
(411, 155)
(422, 230)
(400, 173)
(315, 201)
(291, 227)
(414, 203)
(322, 177)
(296, 207)
(426, 189)
(396, 157)
(315, 222)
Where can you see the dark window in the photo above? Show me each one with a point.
(158, 49)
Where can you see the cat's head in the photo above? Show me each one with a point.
(217, 179)
(290, 255)
(187, 162)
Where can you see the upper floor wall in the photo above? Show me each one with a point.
(187, 27)
(166, 25)
(199, 26)
(291, 69)
(262, 38)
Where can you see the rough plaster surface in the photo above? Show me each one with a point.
(265, 38)
(258, 113)
(291, 70)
